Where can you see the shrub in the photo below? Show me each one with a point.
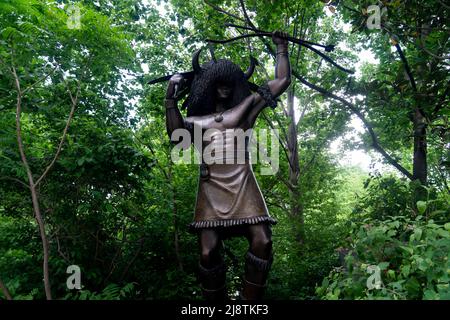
(411, 256)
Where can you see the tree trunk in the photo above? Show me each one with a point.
(176, 240)
(34, 194)
(176, 236)
(420, 166)
(45, 248)
(420, 148)
(296, 210)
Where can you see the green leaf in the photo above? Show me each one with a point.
(421, 206)
(417, 233)
(430, 295)
(443, 233)
(407, 249)
(383, 265)
(405, 270)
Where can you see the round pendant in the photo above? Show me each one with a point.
(218, 118)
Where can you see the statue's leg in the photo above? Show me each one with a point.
(258, 261)
(212, 270)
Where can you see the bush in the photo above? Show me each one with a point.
(411, 257)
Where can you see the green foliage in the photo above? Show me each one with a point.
(412, 255)
(115, 204)
(385, 196)
(110, 292)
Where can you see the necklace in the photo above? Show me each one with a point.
(219, 117)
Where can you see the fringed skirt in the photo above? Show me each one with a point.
(228, 195)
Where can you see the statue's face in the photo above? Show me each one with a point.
(224, 91)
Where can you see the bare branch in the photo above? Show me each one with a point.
(375, 142)
(39, 81)
(128, 266)
(251, 24)
(67, 260)
(218, 9)
(269, 122)
(74, 100)
(16, 180)
(443, 4)
(283, 146)
(406, 65)
(150, 147)
(247, 18)
(422, 45)
(441, 102)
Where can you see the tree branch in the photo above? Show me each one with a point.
(218, 9)
(278, 137)
(39, 81)
(244, 11)
(406, 65)
(441, 102)
(250, 23)
(422, 45)
(34, 195)
(74, 100)
(16, 180)
(375, 142)
(127, 268)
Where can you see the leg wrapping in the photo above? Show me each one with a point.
(256, 272)
(213, 282)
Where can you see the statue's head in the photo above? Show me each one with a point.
(216, 81)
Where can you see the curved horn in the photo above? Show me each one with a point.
(195, 64)
(251, 68)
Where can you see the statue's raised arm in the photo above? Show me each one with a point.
(269, 92)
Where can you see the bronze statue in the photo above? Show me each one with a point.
(229, 201)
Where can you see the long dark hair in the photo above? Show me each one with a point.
(201, 100)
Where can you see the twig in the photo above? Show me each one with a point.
(61, 142)
(223, 11)
(60, 251)
(16, 180)
(244, 11)
(127, 268)
(422, 45)
(291, 39)
(39, 81)
(441, 102)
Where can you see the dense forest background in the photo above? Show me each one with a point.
(86, 177)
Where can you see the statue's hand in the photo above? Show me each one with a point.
(174, 87)
(279, 37)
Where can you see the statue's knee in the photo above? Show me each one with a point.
(205, 256)
(262, 247)
(210, 256)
